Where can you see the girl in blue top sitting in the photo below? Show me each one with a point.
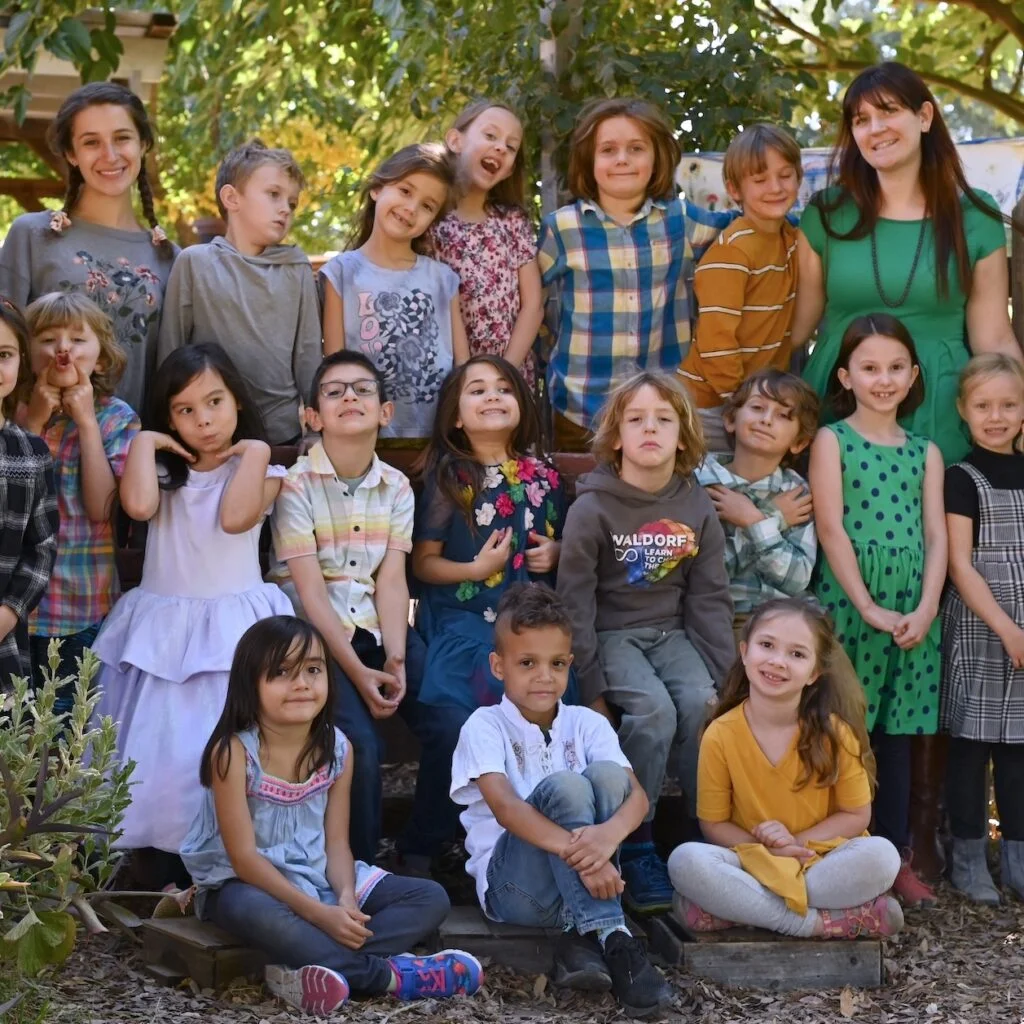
(269, 849)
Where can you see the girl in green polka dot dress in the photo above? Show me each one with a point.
(878, 508)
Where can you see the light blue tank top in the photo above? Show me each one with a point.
(288, 822)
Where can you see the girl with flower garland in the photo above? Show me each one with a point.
(96, 244)
(491, 515)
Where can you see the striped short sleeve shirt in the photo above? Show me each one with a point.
(745, 286)
(350, 532)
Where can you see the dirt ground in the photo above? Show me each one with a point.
(953, 965)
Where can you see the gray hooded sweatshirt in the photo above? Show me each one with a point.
(262, 310)
(635, 560)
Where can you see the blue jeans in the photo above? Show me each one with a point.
(403, 912)
(71, 648)
(529, 886)
(434, 817)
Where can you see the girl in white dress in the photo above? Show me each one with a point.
(202, 480)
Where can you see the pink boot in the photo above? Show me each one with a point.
(881, 917)
(696, 919)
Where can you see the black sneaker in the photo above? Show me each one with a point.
(579, 964)
(636, 983)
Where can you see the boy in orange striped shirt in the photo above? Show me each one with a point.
(745, 284)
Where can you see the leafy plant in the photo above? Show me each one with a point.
(61, 801)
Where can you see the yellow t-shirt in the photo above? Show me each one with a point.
(736, 782)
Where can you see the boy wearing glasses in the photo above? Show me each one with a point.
(342, 528)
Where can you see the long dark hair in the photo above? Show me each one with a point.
(422, 158)
(942, 174)
(60, 138)
(449, 456)
(840, 400)
(281, 642)
(836, 693)
(175, 374)
(15, 321)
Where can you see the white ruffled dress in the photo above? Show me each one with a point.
(166, 650)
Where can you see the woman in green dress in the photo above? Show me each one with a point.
(901, 231)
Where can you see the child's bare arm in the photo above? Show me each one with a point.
(341, 870)
(515, 815)
(140, 486)
(334, 320)
(531, 314)
(725, 833)
(460, 343)
(810, 295)
(249, 493)
(845, 824)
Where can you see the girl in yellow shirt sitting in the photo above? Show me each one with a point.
(784, 790)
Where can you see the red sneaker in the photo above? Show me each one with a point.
(880, 917)
(914, 893)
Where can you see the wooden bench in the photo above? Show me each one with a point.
(185, 947)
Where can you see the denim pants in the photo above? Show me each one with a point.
(403, 912)
(434, 817)
(71, 648)
(529, 886)
(664, 690)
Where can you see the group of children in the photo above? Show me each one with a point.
(677, 619)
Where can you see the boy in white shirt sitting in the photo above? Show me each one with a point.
(549, 797)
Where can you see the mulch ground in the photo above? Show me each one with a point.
(953, 965)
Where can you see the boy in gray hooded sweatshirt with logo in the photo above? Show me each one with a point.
(642, 572)
(248, 293)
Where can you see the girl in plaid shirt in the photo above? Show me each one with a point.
(76, 364)
(28, 504)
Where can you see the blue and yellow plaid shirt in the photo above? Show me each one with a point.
(620, 293)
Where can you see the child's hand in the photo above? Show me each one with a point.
(246, 445)
(543, 557)
(493, 555)
(734, 507)
(381, 691)
(773, 833)
(795, 505)
(912, 629)
(589, 848)
(345, 925)
(801, 853)
(165, 443)
(1013, 643)
(603, 883)
(78, 401)
(882, 619)
(43, 403)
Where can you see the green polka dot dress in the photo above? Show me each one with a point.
(883, 517)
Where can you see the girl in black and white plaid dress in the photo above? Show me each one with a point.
(983, 628)
(28, 504)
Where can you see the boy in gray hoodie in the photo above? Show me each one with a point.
(250, 294)
(643, 575)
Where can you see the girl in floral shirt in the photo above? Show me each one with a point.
(488, 239)
(491, 514)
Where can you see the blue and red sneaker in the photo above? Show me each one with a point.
(448, 973)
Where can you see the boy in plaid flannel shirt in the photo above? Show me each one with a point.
(763, 503)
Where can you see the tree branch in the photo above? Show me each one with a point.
(1000, 101)
(995, 11)
(783, 19)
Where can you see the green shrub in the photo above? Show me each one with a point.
(62, 797)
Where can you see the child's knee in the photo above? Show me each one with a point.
(688, 867)
(650, 718)
(567, 796)
(433, 904)
(608, 779)
(884, 858)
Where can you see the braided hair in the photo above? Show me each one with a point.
(61, 142)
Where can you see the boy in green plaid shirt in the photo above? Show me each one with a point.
(763, 503)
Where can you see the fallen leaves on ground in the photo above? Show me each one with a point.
(955, 965)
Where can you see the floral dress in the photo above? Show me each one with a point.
(457, 620)
(487, 256)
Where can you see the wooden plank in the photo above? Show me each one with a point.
(1017, 272)
(529, 950)
(187, 947)
(190, 931)
(788, 964)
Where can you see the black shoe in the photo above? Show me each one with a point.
(636, 983)
(579, 964)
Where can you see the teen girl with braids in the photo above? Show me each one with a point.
(96, 243)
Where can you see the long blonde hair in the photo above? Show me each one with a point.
(609, 420)
(836, 695)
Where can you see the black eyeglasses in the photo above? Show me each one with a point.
(362, 388)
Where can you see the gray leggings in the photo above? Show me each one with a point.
(852, 874)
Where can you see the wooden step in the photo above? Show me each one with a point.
(752, 958)
(176, 947)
